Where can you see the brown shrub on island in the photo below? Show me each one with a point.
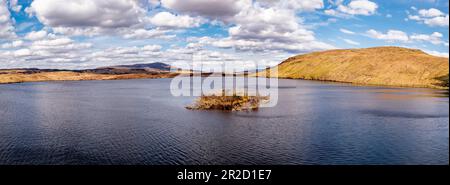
(226, 102)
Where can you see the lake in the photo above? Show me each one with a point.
(140, 122)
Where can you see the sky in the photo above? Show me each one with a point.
(80, 34)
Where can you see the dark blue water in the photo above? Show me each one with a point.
(139, 122)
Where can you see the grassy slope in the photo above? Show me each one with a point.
(392, 66)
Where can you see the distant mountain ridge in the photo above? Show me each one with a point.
(391, 66)
(155, 66)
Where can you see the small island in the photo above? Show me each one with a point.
(225, 102)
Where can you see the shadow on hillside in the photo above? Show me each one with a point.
(443, 81)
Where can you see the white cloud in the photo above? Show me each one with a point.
(36, 35)
(88, 17)
(347, 31)
(17, 43)
(58, 45)
(348, 41)
(127, 55)
(13, 44)
(306, 6)
(14, 4)
(6, 26)
(147, 34)
(431, 17)
(390, 36)
(252, 27)
(359, 7)
(127, 18)
(435, 38)
(88, 13)
(29, 11)
(169, 20)
(22, 53)
(400, 36)
(53, 42)
(432, 12)
(153, 48)
(260, 28)
(215, 9)
(438, 21)
(154, 3)
(355, 7)
(50, 52)
(438, 54)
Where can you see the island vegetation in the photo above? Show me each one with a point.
(228, 102)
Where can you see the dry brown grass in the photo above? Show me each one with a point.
(18, 76)
(234, 102)
(391, 66)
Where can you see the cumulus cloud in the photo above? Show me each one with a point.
(215, 9)
(6, 26)
(355, 7)
(390, 36)
(430, 17)
(14, 5)
(88, 17)
(261, 28)
(127, 18)
(154, 3)
(127, 55)
(51, 51)
(13, 44)
(22, 53)
(36, 35)
(435, 38)
(432, 12)
(146, 34)
(88, 13)
(306, 6)
(169, 20)
(359, 7)
(252, 27)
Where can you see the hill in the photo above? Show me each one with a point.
(391, 66)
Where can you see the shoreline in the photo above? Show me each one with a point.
(105, 77)
(373, 85)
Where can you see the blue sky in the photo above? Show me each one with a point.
(91, 33)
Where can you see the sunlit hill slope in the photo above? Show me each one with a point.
(391, 66)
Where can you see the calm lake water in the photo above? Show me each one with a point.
(140, 122)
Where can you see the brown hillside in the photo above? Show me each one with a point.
(392, 66)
